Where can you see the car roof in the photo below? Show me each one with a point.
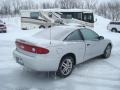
(69, 28)
(115, 22)
(57, 32)
(59, 10)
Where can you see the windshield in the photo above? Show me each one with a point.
(1, 21)
(34, 15)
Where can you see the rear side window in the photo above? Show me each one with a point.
(74, 36)
(115, 23)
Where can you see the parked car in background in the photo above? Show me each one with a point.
(60, 49)
(114, 26)
(3, 28)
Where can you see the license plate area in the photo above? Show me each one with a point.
(19, 60)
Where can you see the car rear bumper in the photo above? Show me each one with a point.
(2, 30)
(36, 63)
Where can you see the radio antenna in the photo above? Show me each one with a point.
(50, 28)
(50, 35)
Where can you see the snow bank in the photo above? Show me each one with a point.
(96, 74)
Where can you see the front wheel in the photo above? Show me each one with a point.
(114, 30)
(107, 51)
(65, 67)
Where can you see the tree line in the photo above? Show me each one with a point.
(109, 9)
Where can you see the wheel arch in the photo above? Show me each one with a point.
(107, 45)
(114, 28)
(41, 26)
(70, 54)
(110, 44)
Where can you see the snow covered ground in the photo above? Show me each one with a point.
(96, 74)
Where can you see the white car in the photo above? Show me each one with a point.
(3, 28)
(114, 26)
(60, 49)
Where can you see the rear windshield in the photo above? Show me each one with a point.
(1, 21)
(54, 34)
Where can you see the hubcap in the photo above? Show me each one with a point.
(108, 51)
(114, 30)
(66, 66)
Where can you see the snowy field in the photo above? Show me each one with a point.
(96, 74)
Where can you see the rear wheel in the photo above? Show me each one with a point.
(107, 51)
(114, 30)
(24, 29)
(4, 31)
(65, 67)
(42, 26)
(49, 26)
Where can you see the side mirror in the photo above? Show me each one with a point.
(59, 21)
(100, 37)
(95, 20)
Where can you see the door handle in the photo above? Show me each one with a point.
(88, 44)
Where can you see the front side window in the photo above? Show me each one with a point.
(50, 14)
(118, 23)
(74, 36)
(89, 34)
(1, 21)
(34, 15)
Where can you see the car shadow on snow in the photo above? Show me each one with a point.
(52, 75)
(26, 73)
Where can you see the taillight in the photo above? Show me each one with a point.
(31, 48)
(40, 50)
(5, 27)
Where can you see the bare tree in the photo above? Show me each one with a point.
(67, 4)
(90, 4)
(47, 5)
(102, 9)
(110, 10)
(114, 10)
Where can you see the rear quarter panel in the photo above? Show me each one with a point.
(76, 48)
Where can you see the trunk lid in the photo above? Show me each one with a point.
(29, 46)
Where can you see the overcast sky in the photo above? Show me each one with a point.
(54, 0)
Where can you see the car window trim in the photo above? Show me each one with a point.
(84, 37)
(74, 40)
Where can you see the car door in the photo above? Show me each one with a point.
(118, 26)
(94, 46)
(76, 45)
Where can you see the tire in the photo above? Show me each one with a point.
(49, 26)
(107, 51)
(41, 26)
(4, 31)
(24, 29)
(65, 67)
(114, 30)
